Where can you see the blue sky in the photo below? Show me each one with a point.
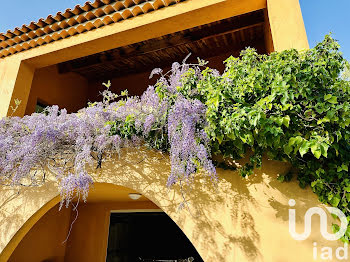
(324, 16)
(320, 17)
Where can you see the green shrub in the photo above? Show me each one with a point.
(293, 106)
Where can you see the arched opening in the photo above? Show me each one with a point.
(110, 227)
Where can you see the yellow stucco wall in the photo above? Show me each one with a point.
(45, 241)
(15, 82)
(17, 216)
(287, 25)
(69, 90)
(239, 220)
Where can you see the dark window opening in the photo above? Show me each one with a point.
(40, 107)
(148, 237)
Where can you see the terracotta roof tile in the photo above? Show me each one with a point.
(82, 18)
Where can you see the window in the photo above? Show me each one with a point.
(40, 107)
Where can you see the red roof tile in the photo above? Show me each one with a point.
(75, 21)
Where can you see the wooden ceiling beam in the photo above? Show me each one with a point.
(182, 38)
(166, 63)
(160, 48)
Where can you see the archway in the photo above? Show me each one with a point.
(99, 227)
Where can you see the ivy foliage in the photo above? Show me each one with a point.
(294, 106)
(291, 105)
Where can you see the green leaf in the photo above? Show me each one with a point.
(214, 101)
(286, 121)
(323, 120)
(304, 148)
(280, 178)
(248, 138)
(316, 150)
(287, 149)
(292, 141)
(335, 201)
(333, 100)
(220, 138)
(314, 183)
(124, 93)
(231, 136)
(324, 149)
(327, 97)
(335, 227)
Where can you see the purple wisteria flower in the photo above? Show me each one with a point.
(75, 186)
(68, 145)
(189, 145)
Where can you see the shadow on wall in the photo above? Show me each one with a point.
(236, 220)
(18, 205)
(45, 240)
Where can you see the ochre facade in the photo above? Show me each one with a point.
(237, 220)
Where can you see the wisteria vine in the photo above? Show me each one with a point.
(68, 145)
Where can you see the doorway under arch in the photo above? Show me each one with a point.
(110, 227)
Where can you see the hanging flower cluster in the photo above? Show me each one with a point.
(56, 142)
(189, 143)
(68, 145)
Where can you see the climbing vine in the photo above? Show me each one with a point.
(292, 106)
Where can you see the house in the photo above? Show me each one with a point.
(64, 59)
